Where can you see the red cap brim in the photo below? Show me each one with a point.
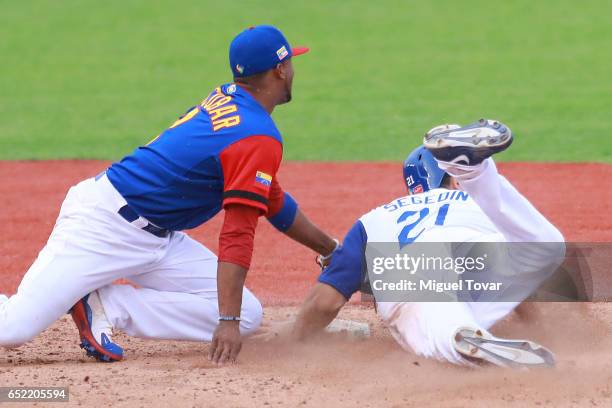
(299, 51)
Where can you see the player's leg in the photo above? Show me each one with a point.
(177, 299)
(84, 252)
(449, 332)
(511, 213)
(489, 313)
(427, 329)
(465, 154)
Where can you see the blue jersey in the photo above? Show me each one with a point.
(225, 150)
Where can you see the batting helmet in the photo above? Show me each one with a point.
(421, 171)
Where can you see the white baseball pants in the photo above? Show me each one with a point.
(427, 329)
(90, 247)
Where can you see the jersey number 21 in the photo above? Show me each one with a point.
(404, 237)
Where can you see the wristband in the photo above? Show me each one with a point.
(328, 257)
(283, 220)
(322, 261)
(229, 318)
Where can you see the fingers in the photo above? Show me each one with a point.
(262, 336)
(213, 347)
(265, 335)
(218, 352)
(222, 352)
(226, 344)
(274, 330)
(225, 355)
(233, 354)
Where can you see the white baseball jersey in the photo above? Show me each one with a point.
(438, 215)
(489, 209)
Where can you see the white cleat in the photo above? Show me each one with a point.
(478, 344)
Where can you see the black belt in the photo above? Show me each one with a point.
(130, 216)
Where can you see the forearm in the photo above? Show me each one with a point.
(306, 233)
(230, 283)
(235, 251)
(319, 309)
(226, 342)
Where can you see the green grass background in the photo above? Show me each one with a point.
(94, 79)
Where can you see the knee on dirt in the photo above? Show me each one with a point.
(14, 334)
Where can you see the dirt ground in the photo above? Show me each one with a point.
(331, 371)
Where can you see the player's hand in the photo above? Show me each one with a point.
(272, 330)
(324, 261)
(226, 343)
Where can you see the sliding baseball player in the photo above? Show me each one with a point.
(455, 195)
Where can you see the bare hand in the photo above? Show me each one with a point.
(226, 343)
(271, 330)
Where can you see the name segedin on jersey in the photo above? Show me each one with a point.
(410, 218)
(431, 197)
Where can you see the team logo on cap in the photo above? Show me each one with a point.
(282, 52)
(239, 68)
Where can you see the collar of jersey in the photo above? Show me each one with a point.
(240, 91)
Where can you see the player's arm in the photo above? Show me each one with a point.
(318, 310)
(336, 285)
(248, 168)
(285, 215)
(235, 251)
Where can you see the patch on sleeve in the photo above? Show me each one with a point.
(263, 178)
(417, 189)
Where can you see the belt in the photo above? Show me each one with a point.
(131, 216)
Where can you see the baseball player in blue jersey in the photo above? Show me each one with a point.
(455, 195)
(126, 222)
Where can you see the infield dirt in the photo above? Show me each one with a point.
(331, 371)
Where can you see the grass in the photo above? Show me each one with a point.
(91, 79)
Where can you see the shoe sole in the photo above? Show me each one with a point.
(467, 145)
(476, 344)
(88, 343)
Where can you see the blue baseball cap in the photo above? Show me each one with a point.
(258, 49)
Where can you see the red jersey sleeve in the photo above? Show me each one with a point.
(249, 171)
(238, 234)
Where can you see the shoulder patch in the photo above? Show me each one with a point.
(263, 178)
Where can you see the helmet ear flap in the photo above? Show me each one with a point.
(421, 171)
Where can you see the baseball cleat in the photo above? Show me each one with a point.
(94, 329)
(477, 344)
(468, 145)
